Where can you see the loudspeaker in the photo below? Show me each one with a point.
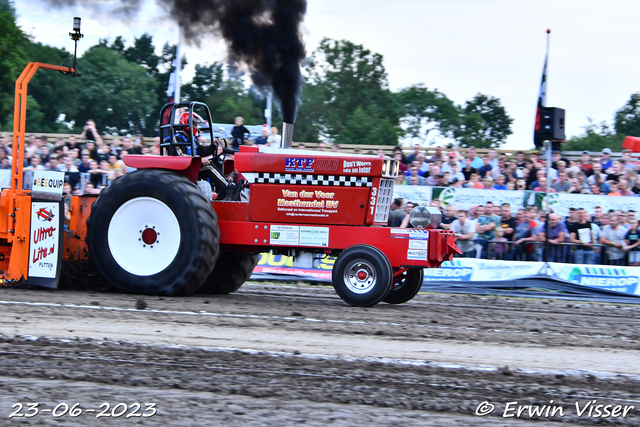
(552, 123)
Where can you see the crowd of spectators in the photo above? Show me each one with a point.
(89, 164)
(492, 232)
(599, 174)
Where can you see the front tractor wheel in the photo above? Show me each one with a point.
(152, 232)
(362, 276)
(405, 286)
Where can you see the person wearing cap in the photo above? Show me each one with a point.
(586, 165)
(606, 161)
(448, 167)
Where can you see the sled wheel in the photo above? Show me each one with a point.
(405, 286)
(152, 232)
(362, 276)
(232, 269)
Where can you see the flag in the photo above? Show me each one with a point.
(542, 100)
(171, 92)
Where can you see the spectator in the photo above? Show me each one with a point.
(402, 167)
(508, 223)
(537, 163)
(468, 170)
(521, 185)
(476, 162)
(414, 171)
(432, 179)
(499, 183)
(486, 225)
(89, 132)
(488, 183)
(408, 207)
(616, 171)
(322, 147)
(632, 243)
(582, 232)
(556, 238)
(274, 139)
(443, 179)
(127, 146)
(572, 219)
(448, 166)
(455, 173)
(263, 139)
(464, 229)
(562, 185)
(499, 250)
(53, 164)
(396, 214)
(586, 165)
(485, 169)
(542, 186)
(437, 156)
(606, 161)
(474, 182)
(613, 189)
(301, 145)
(539, 174)
(414, 180)
(412, 157)
(628, 161)
(239, 133)
(526, 232)
(613, 236)
(35, 163)
(449, 217)
(594, 189)
(335, 148)
(493, 157)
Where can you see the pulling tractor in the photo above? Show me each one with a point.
(178, 225)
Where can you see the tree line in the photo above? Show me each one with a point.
(345, 98)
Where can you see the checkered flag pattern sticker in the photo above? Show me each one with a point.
(328, 180)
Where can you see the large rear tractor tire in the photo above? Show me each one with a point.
(152, 232)
(232, 269)
(362, 276)
(406, 286)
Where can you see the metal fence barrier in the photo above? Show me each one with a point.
(570, 253)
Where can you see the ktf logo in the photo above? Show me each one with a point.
(297, 164)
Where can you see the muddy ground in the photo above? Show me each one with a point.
(274, 355)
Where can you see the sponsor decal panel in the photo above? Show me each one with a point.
(465, 198)
(299, 164)
(43, 240)
(610, 278)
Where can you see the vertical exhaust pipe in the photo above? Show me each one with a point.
(287, 135)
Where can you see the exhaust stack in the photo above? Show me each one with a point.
(287, 135)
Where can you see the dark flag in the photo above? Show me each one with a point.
(542, 100)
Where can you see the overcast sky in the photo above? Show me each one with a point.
(460, 47)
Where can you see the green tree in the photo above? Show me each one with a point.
(117, 94)
(143, 52)
(12, 62)
(425, 111)
(347, 79)
(55, 94)
(207, 80)
(596, 136)
(484, 123)
(627, 119)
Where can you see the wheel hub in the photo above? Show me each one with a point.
(360, 277)
(149, 236)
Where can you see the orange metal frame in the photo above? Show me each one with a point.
(15, 202)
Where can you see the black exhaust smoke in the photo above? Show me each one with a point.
(263, 34)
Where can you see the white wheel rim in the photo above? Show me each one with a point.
(360, 277)
(125, 236)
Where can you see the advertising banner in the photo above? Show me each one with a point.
(44, 246)
(465, 198)
(419, 194)
(561, 202)
(610, 278)
(471, 269)
(625, 280)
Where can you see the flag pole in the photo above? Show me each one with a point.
(548, 149)
(178, 65)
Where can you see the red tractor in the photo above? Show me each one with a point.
(155, 231)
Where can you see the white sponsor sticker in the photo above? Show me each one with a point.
(43, 249)
(418, 244)
(417, 255)
(47, 184)
(314, 236)
(284, 235)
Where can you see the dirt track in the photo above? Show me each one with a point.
(284, 355)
